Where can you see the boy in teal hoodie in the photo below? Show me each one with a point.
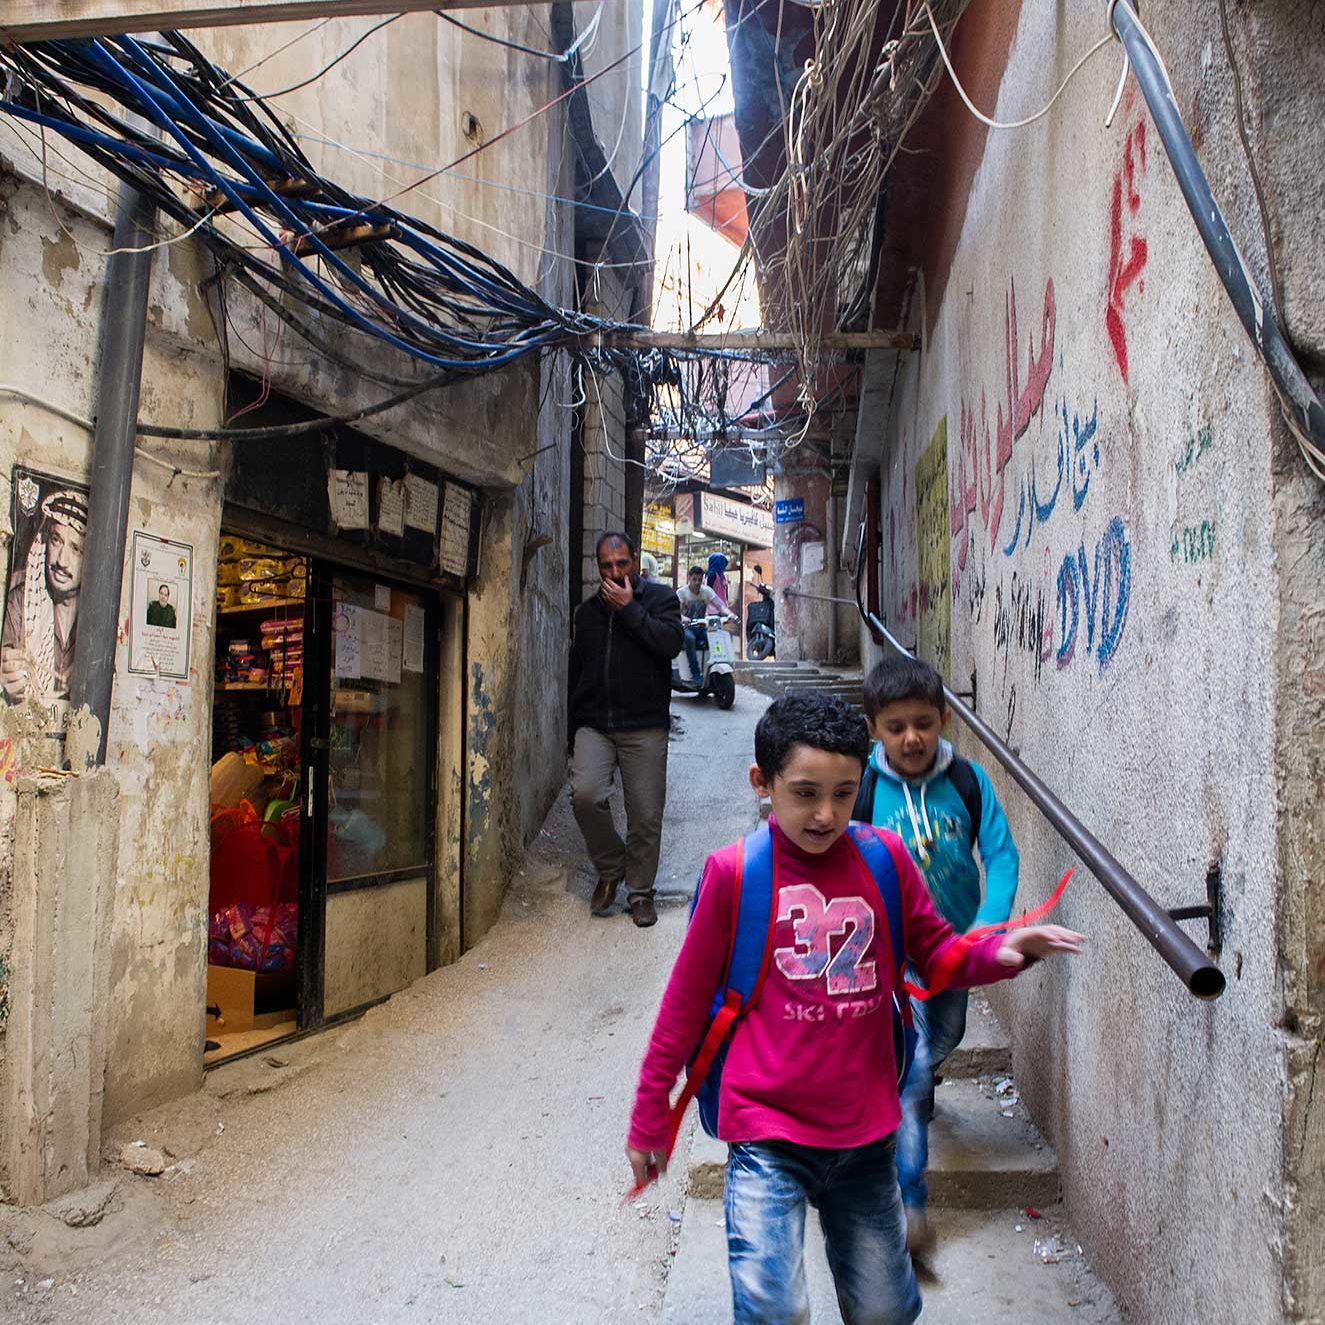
(942, 807)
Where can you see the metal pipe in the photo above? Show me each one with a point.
(1193, 966)
(818, 597)
(832, 557)
(119, 380)
(1302, 406)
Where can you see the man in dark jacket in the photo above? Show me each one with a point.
(625, 638)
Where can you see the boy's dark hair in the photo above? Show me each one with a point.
(614, 536)
(695, 570)
(902, 678)
(822, 722)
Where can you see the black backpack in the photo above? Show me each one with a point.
(963, 779)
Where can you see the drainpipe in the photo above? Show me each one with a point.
(119, 379)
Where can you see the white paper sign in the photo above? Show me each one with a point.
(161, 606)
(382, 597)
(395, 633)
(373, 643)
(391, 507)
(812, 558)
(348, 634)
(456, 511)
(420, 504)
(347, 491)
(414, 621)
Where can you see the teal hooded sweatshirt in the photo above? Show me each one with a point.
(929, 816)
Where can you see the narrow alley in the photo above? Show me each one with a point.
(408, 408)
(455, 1155)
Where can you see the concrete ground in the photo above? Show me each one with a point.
(455, 1155)
(991, 1267)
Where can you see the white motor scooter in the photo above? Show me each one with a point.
(717, 660)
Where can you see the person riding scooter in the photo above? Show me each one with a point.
(697, 602)
(760, 635)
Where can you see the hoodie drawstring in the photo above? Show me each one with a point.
(922, 842)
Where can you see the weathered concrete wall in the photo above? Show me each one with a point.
(51, 280)
(1085, 466)
(65, 858)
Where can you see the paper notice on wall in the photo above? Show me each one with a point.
(348, 635)
(391, 507)
(420, 504)
(347, 492)
(395, 635)
(382, 597)
(812, 558)
(161, 612)
(413, 644)
(457, 513)
(373, 643)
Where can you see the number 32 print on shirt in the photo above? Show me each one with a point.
(815, 921)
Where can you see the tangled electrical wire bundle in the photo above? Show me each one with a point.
(214, 157)
(849, 115)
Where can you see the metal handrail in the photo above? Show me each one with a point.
(1193, 966)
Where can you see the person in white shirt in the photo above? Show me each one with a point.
(697, 602)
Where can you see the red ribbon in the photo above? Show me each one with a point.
(698, 1070)
(951, 956)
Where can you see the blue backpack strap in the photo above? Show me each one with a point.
(753, 932)
(879, 861)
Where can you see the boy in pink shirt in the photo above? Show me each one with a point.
(809, 1102)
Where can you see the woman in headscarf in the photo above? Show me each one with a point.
(716, 578)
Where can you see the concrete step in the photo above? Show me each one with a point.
(991, 1267)
(985, 1049)
(984, 1153)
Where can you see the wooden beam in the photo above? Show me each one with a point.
(47, 20)
(758, 340)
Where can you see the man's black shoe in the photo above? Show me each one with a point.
(642, 912)
(604, 897)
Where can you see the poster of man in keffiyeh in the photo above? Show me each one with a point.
(41, 607)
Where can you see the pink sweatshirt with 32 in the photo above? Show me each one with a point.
(812, 1062)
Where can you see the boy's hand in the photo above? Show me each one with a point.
(646, 1165)
(1022, 946)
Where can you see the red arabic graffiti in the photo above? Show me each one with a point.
(1124, 273)
(982, 455)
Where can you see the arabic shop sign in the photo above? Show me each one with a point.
(658, 534)
(725, 518)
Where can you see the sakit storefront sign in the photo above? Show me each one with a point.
(724, 518)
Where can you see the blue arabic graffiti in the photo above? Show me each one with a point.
(1078, 455)
(1105, 595)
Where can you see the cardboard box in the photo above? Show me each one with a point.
(246, 1001)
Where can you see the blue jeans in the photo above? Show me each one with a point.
(695, 634)
(860, 1210)
(940, 1025)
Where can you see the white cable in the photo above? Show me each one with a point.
(1030, 119)
(109, 252)
(29, 398)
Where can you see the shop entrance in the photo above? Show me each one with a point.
(323, 787)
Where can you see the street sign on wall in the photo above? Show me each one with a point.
(790, 511)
